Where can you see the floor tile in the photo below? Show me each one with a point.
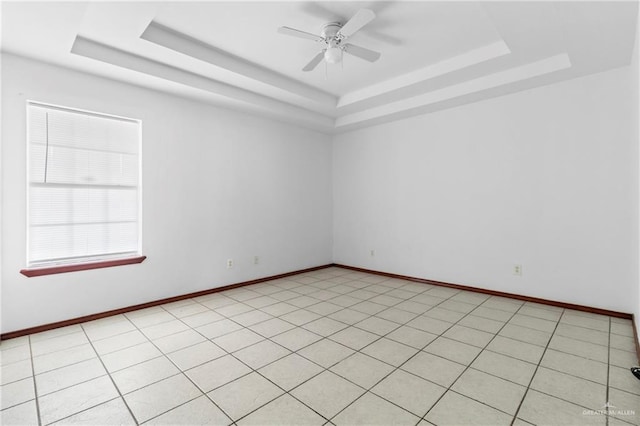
(396, 315)
(624, 406)
(327, 393)
(411, 336)
(546, 314)
(178, 341)
(97, 332)
(251, 318)
(502, 304)
(575, 365)
(621, 378)
(124, 358)
(114, 412)
(623, 329)
(373, 410)
(61, 404)
(278, 309)
(582, 333)
(237, 340)
(16, 393)
(494, 314)
(430, 325)
(23, 414)
(121, 341)
(444, 314)
(453, 350)
(199, 411)
(625, 343)
(60, 359)
(413, 307)
(290, 371)
(469, 335)
(493, 391)
(456, 409)
(324, 308)
(345, 300)
(165, 329)
(261, 302)
(579, 348)
(185, 308)
(377, 326)
(158, 316)
(569, 388)
(516, 349)
(434, 368)
(348, 316)
(595, 322)
(244, 395)
(284, 411)
(272, 327)
(326, 352)
(482, 324)
(354, 338)
(527, 335)
(391, 352)
(538, 408)
(622, 358)
(409, 391)
(533, 323)
(234, 309)
(506, 367)
(261, 354)
(453, 305)
(296, 338)
(15, 354)
(143, 374)
(362, 370)
(325, 326)
(203, 318)
(161, 397)
(195, 355)
(70, 375)
(300, 317)
(386, 300)
(15, 371)
(55, 344)
(218, 372)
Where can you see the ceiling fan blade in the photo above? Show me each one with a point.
(314, 62)
(298, 33)
(361, 52)
(357, 21)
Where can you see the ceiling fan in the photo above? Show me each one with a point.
(334, 35)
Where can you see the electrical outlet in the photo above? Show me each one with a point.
(229, 263)
(517, 270)
(256, 260)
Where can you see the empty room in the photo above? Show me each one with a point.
(320, 213)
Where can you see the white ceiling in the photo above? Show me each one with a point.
(434, 54)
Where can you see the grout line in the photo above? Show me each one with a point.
(515, 416)
(608, 371)
(35, 385)
(110, 378)
(364, 286)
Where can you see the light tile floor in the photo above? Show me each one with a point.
(328, 347)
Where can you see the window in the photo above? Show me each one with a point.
(83, 187)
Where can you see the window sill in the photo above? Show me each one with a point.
(36, 272)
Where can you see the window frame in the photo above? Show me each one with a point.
(77, 263)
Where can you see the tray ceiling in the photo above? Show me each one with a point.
(435, 55)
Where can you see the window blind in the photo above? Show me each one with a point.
(84, 194)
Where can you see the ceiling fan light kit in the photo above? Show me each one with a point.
(333, 35)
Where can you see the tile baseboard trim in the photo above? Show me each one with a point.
(541, 301)
(92, 317)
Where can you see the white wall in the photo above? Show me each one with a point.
(216, 184)
(546, 178)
